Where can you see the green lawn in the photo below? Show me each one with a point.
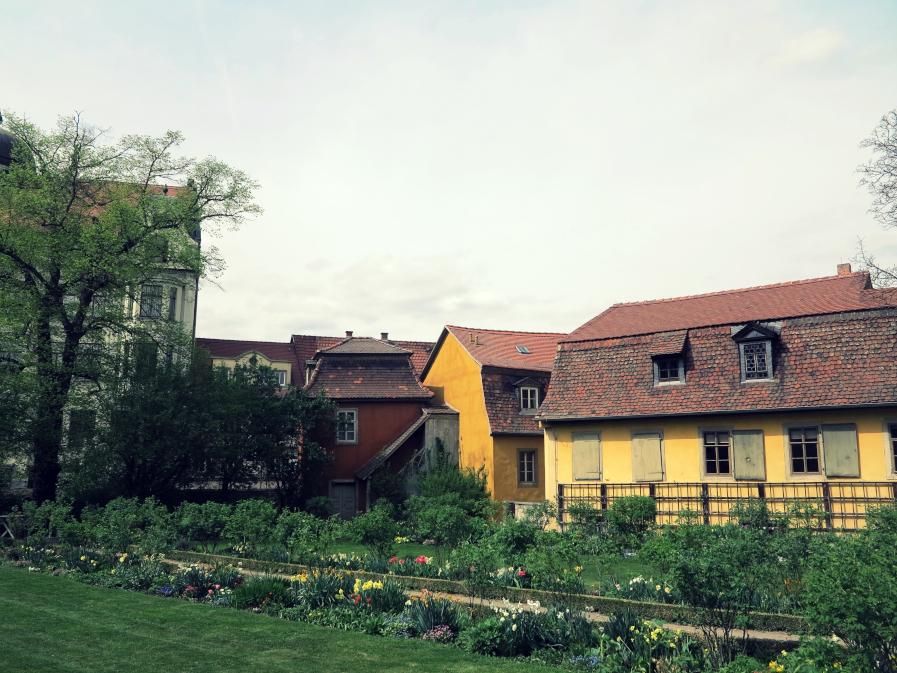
(56, 624)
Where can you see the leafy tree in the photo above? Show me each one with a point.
(153, 435)
(375, 530)
(85, 223)
(265, 432)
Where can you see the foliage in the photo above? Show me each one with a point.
(632, 516)
(473, 565)
(375, 530)
(585, 518)
(388, 486)
(467, 487)
(306, 537)
(203, 523)
(541, 514)
(261, 592)
(718, 570)
(251, 522)
(555, 565)
(430, 611)
(201, 579)
(85, 223)
(511, 539)
(320, 506)
(852, 593)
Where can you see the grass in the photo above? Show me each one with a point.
(56, 624)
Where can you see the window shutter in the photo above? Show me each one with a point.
(647, 463)
(839, 446)
(587, 456)
(749, 456)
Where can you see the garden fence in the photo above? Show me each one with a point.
(845, 502)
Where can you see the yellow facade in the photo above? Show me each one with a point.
(276, 365)
(456, 379)
(681, 450)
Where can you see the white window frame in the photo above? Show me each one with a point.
(152, 300)
(281, 375)
(769, 363)
(705, 476)
(524, 399)
(354, 431)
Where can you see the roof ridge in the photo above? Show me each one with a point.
(508, 331)
(254, 341)
(737, 290)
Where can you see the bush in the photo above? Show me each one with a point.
(375, 530)
(251, 522)
(203, 524)
(431, 611)
(270, 593)
(585, 518)
(852, 593)
(632, 516)
(320, 506)
(512, 539)
(541, 514)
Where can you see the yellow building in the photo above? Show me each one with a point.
(496, 380)
(785, 392)
(279, 356)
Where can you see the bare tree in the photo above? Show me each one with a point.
(880, 178)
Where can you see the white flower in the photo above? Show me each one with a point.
(502, 619)
(513, 627)
(560, 615)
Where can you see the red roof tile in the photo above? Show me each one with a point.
(832, 294)
(273, 350)
(498, 349)
(366, 376)
(306, 346)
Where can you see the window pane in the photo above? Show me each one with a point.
(797, 465)
(812, 465)
(724, 467)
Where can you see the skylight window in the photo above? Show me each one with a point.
(523, 350)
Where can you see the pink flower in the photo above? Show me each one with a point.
(401, 560)
(217, 586)
(522, 573)
(211, 591)
(393, 559)
(422, 559)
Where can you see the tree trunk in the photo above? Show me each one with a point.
(47, 441)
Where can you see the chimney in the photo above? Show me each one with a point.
(843, 269)
(348, 333)
(384, 336)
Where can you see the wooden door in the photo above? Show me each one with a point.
(343, 496)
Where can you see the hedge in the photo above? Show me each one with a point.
(682, 614)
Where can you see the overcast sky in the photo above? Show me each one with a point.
(509, 165)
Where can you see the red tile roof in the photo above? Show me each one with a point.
(830, 360)
(273, 350)
(306, 346)
(365, 346)
(498, 349)
(832, 294)
(353, 375)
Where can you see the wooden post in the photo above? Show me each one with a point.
(705, 503)
(827, 504)
(561, 506)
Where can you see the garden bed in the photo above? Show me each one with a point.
(663, 611)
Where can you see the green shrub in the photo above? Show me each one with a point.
(511, 540)
(203, 524)
(585, 518)
(269, 593)
(251, 522)
(541, 514)
(375, 530)
(320, 506)
(632, 516)
(852, 593)
(429, 611)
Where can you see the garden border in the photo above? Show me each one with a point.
(762, 621)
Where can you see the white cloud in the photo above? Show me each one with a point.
(812, 46)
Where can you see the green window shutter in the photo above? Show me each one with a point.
(587, 456)
(647, 463)
(747, 452)
(839, 446)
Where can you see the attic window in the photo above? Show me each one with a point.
(529, 399)
(523, 350)
(755, 349)
(669, 370)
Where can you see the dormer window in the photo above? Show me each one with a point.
(523, 350)
(755, 350)
(669, 370)
(529, 399)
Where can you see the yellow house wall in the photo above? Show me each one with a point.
(504, 450)
(682, 457)
(682, 446)
(458, 375)
(277, 365)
